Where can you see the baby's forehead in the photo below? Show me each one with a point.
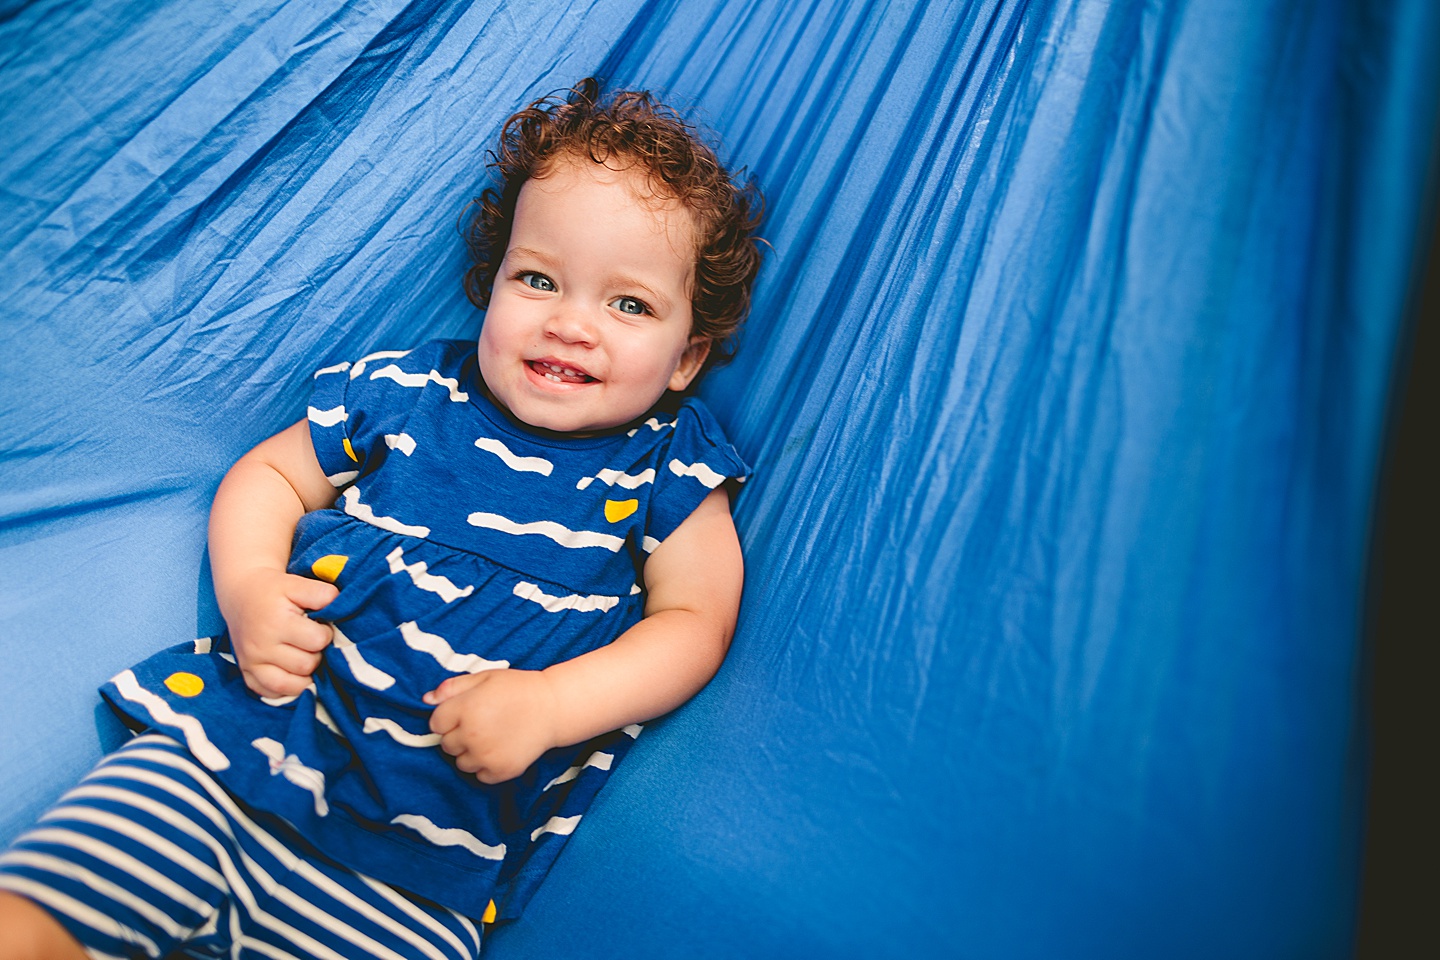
(646, 185)
(666, 209)
(604, 217)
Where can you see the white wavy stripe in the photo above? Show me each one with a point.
(324, 717)
(364, 671)
(548, 528)
(400, 441)
(326, 418)
(283, 854)
(444, 654)
(653, 424)
(700, 471)
(361, 511)
(77, 911)
(290, 766)
(600, 761)
(616, 478)
(560, 826)
(160, 711)
(338, 480)
(573, 601)
(634, 589)
(450, 836)
(632, 730)
(648, 544)
(393, 372)
(98, 884)
(340, 367)
(204, 644)
(122, 826)
(399, 734)
(435, 583)
(359, 367)
(515, 462)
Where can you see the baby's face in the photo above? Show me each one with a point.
(589, 319)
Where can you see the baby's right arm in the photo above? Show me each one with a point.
(251, 526)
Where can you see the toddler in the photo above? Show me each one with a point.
(452, 593)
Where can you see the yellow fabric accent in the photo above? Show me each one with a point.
(184, 684)
(617, 510)
(328, 567)
(349, 450)
(489, 913)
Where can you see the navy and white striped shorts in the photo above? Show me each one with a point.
(148, 857)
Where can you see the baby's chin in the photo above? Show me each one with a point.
(570, 422)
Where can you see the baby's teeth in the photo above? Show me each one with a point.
(551, 376)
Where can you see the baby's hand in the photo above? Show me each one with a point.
(276, 645)
(495, 724)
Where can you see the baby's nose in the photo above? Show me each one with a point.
(572, 325)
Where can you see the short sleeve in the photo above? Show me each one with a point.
(698, 459)
(358, 411)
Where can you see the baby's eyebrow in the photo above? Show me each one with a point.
(623, 281)
(530, 254)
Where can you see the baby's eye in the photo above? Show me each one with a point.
(630, 305)
(537, 280)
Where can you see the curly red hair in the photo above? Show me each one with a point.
(630, 128)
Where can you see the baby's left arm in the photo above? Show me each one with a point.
(499, 722)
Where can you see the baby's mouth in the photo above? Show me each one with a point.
(559, 373)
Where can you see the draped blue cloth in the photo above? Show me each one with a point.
(1065, 384)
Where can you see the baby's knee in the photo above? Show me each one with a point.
(29, 932)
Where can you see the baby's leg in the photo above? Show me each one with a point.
(29, 933)
(149, 853)
(116, 864)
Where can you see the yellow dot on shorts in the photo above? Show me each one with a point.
(349, 450)
(489, 913)
(328, 567)
(184, 684)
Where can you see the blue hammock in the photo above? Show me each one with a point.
(1066, 383)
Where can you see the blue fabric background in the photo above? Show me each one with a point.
(1065, 386)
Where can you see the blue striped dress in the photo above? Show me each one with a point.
(460, 542)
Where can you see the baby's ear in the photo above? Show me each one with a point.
(690, 363)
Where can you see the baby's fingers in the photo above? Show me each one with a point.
(451, 688)
(293, 659)
(271, 680)
(312, 636)
(489, 763)
(444, 719)
(454, 744)
(309, 594)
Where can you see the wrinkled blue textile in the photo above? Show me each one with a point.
(1065, 387)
